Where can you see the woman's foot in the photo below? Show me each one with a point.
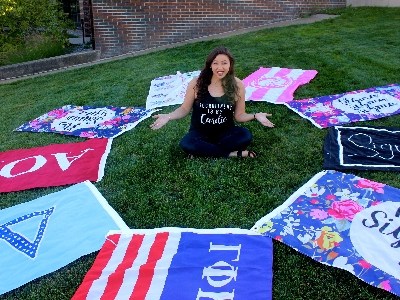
(243, 153)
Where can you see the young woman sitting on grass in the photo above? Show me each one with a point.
(216, 99)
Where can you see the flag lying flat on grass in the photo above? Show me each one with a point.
(361, 105)
(169, 90)
(43, 235)
(53, 165)
(88, 121)
(177, 263)
(275, 85)
(343, 221)
(362, 148)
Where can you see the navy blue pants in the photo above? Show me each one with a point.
(216, 145)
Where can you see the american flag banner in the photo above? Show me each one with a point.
(178, 263)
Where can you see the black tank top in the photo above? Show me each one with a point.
(212, 114)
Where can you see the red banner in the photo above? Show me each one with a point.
(53, 165)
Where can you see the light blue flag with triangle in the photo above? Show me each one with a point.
(46, 234)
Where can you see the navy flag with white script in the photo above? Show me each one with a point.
(362, 148)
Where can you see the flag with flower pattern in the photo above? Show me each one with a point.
(343, 221)
(362, 105)
(88, 121)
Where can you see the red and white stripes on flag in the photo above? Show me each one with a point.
(179, 263)
(136, 258)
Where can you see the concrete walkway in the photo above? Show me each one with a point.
(299, 21)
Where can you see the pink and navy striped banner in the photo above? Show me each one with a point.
(275, 85)
(176, 263)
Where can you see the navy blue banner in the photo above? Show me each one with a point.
(362, 148)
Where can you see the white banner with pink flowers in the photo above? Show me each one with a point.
(344, 221)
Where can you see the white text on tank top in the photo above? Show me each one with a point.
(213, 113)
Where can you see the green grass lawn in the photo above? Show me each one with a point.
(149, 182)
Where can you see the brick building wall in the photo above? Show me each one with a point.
(122, 26)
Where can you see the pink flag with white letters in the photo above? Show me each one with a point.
(275, 85)
(53, 165)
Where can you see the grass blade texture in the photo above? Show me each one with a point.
(149, 182)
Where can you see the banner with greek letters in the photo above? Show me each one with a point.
(53, 165)
(43, 235)
(361, 105)
(343, 221)
(376, 148)
(88, 121)
(177, 263)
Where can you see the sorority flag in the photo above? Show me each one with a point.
(88, 121)
(177, 263)
(361, 105)
(169, 90)
(343, 221)
(275, 85)
(53, 165)
(376, 148)
(43, 235)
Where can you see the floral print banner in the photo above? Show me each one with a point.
(361, 105)
(343, 221)
(88, 121)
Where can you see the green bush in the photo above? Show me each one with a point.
(40, 46)
(22, 23)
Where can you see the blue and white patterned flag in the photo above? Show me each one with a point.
(344, 221)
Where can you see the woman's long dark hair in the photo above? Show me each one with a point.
(228, 82)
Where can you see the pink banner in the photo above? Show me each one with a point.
(53, 165)
(275, 85)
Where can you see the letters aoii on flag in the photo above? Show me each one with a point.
(53, 165)
(45, 234)
(177, 263)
